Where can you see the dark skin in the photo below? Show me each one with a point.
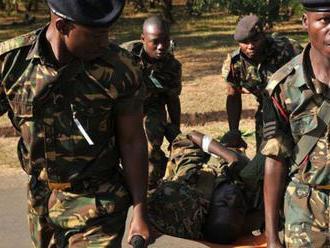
(317, 25)
(70, 41)
(252, 49)
(156, 41)
(215, 147)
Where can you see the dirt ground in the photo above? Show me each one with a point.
(202, 45)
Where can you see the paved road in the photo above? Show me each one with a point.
(13, 227)
(13, 222)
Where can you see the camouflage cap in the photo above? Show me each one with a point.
(94, 13)
(248, 27)
(316, 5)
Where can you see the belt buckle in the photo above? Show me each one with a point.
(59, 186)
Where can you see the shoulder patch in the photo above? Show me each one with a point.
(283, 73)
(18, 42)
(130, 45)
(235, 53)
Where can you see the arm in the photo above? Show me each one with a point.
(214, 147)
(274, 183)
(133, 150)
(278, 143)
(233, 107)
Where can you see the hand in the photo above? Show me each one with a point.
(233, 139)
(140, 227)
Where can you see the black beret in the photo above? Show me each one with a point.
(94, 13)
(248, 27)
(316, 5)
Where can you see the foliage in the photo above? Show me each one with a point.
(13, 5)
(268, 10)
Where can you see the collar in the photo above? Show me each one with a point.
(41, 49)
(307, 77)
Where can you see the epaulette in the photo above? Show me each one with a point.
(18, 42)
(235, 53)
(130, 45)
(283, 73)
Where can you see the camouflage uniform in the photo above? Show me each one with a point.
(291, 113)
(241, 72)
(76, 192)
(162, 79)
(179, 206)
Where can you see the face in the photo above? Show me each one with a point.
(317, 25)
(85, 43)
(253, 47)
(156, 42)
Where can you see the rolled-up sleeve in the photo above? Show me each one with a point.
(277, 138)
(230, 73)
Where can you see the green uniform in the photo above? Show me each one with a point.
(162, 80)
(65, 117)
(180, 204)
(295, 97)
(240, 72)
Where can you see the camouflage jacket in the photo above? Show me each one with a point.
(65, 116)
(241, 72)
(161, 78)
(291, 112)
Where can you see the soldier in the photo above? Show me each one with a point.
(296, 132)
(203, 197)
(76, 100)
(162, 77)
(248, 69)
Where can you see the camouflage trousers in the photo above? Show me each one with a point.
(306, 217)
(178, 206)
(60, 219)
(155, 128)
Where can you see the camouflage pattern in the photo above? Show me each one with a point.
(162, 79)
(240, 72)
(49, 107)
(292, 112)
(306, 217)
(179, 206)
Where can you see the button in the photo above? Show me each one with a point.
(49, 140)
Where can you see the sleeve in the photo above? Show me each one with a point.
(131, 92)
(277, 138)
(230, 72)
(4, 105)
(177, 82)
(167, 78)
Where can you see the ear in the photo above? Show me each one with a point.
(62, 26)
(304, 20)
(142, 37)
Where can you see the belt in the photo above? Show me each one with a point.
(321, 187)
(59, 186)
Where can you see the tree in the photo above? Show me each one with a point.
(268, 10)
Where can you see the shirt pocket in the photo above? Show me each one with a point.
(303, 124)
(96, 118)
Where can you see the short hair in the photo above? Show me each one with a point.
(156, 21)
